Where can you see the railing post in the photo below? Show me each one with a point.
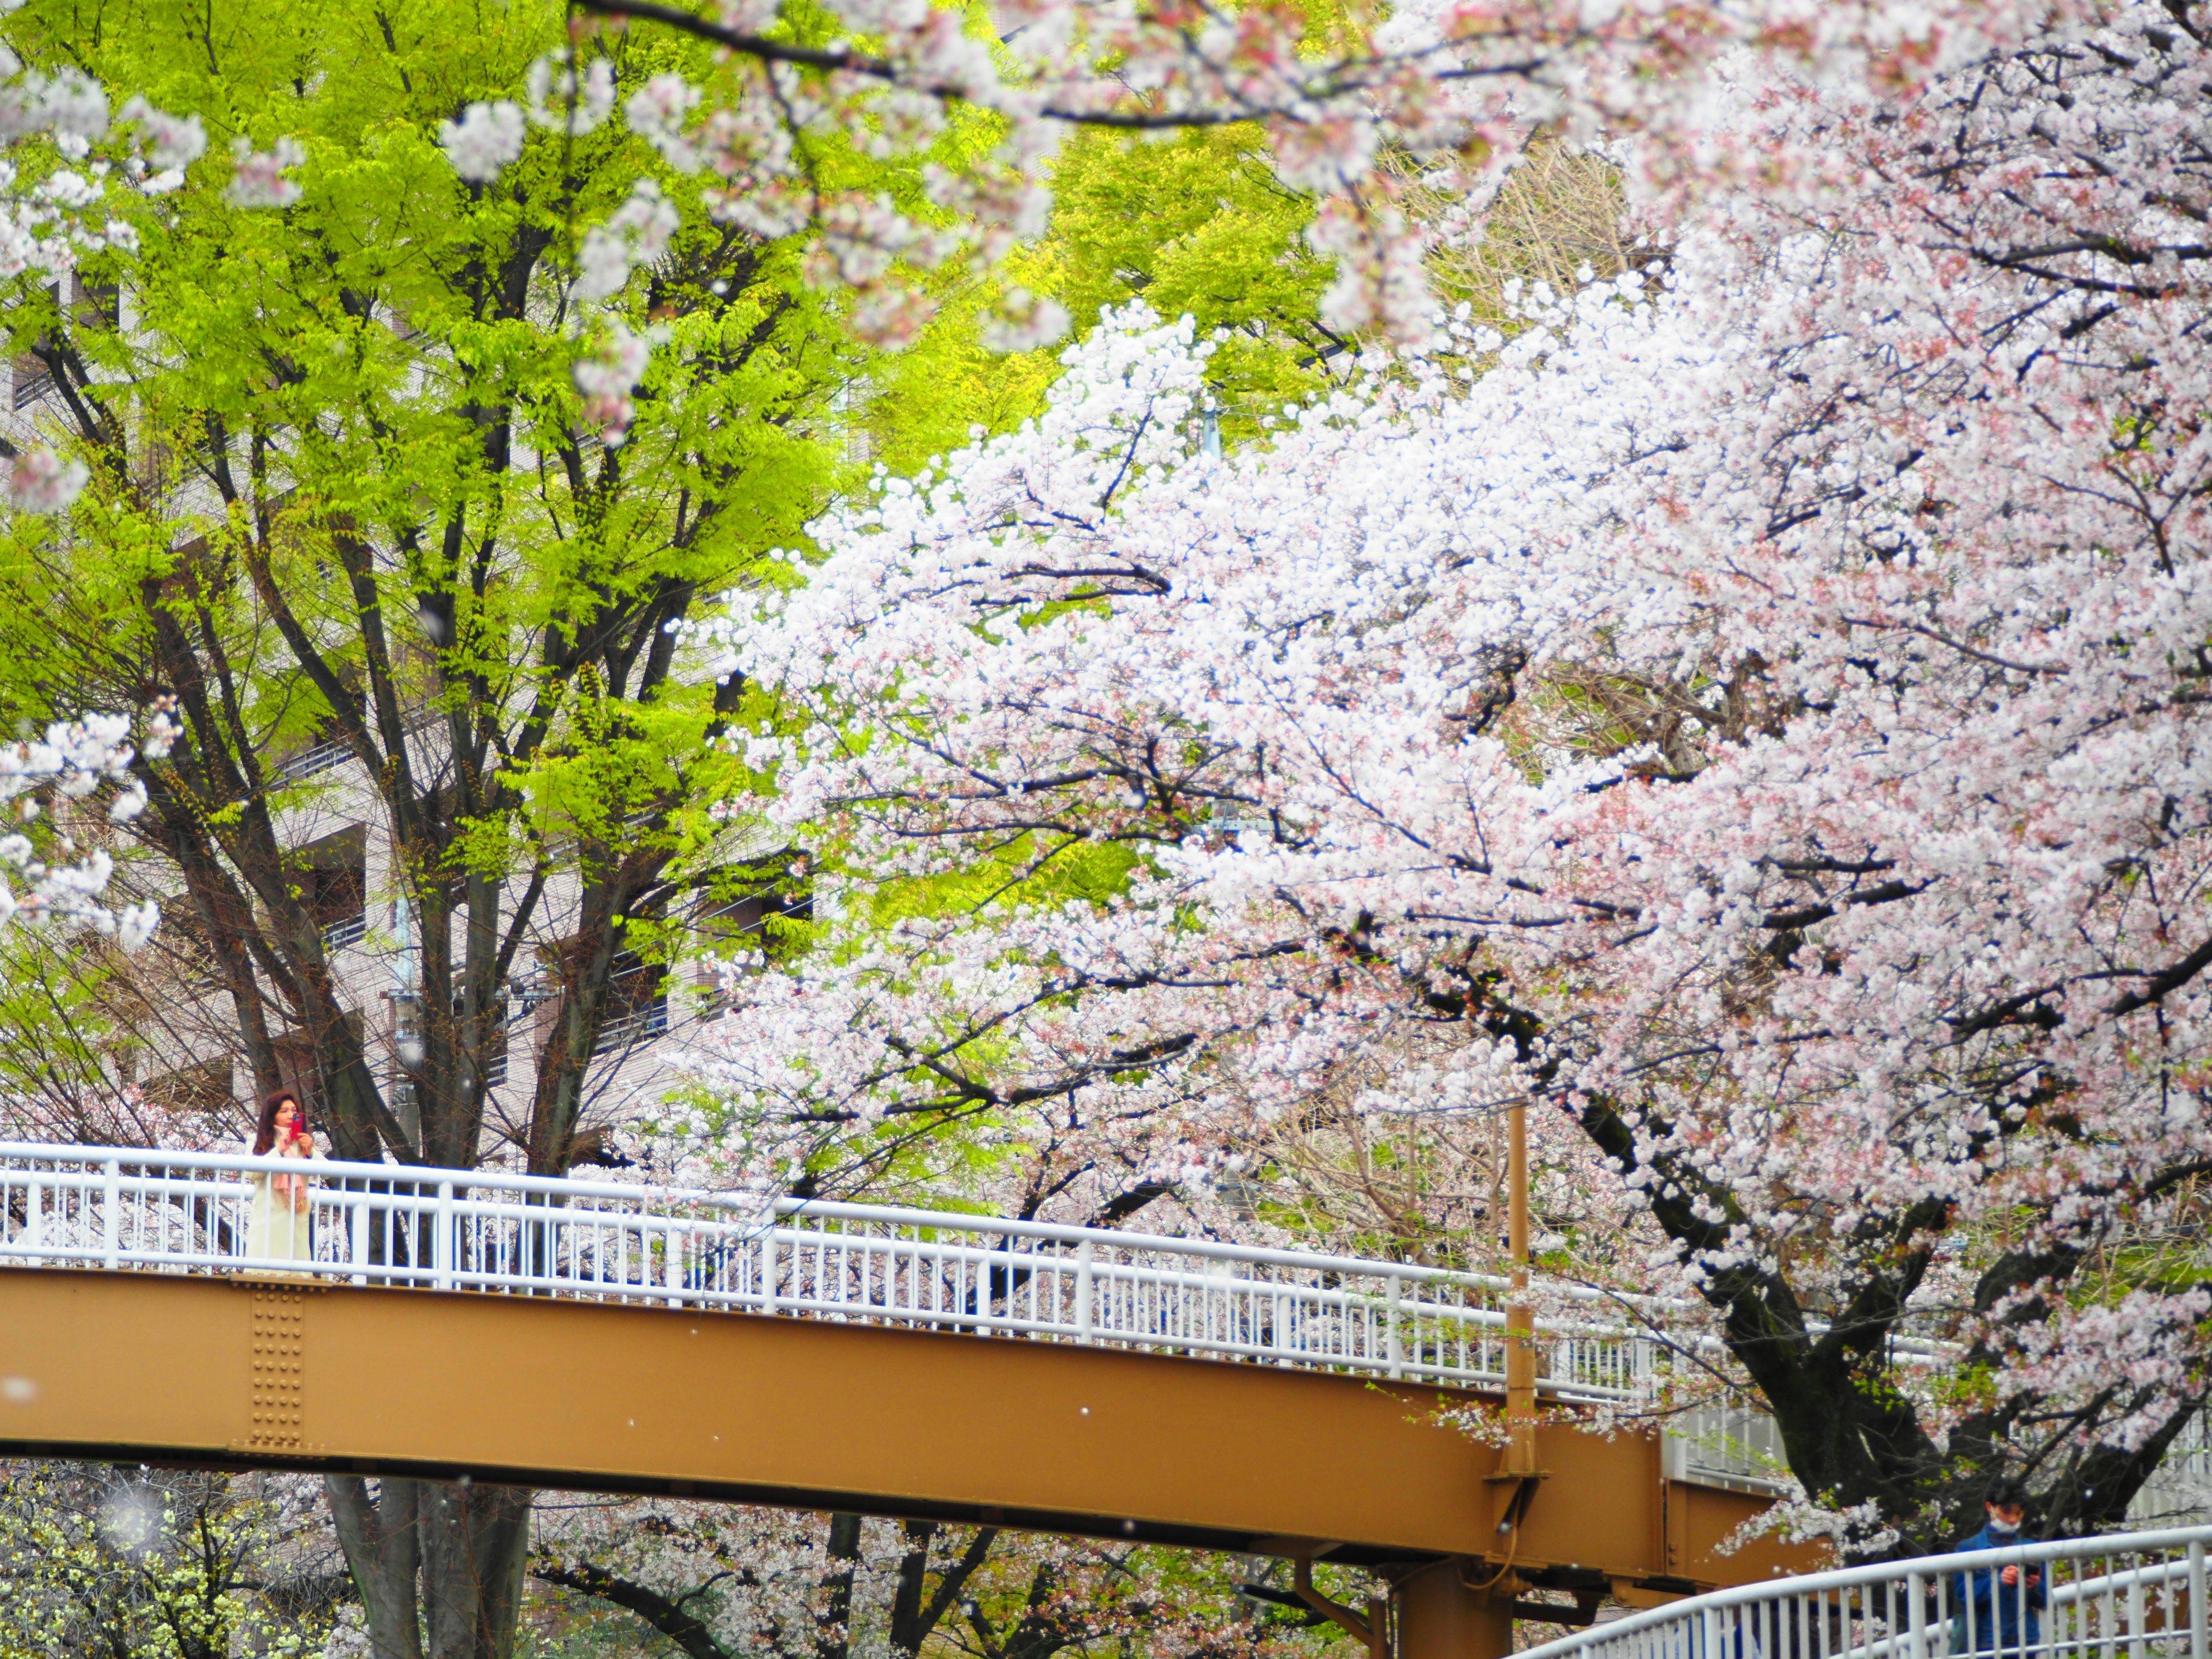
(1085, 1316)
(2197, 1601)
(1393, 1350)
(674, 1275)
(1916, 1614)
(110, 1219)
(442, 1239)
(357, 1239)
(767, 1266)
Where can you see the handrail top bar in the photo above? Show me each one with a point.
(895, 1215)
(1922, 1566)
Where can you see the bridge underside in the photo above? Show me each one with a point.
(806, 1413)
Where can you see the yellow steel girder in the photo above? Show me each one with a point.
(265, 1372)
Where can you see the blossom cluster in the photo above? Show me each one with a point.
(606, 375)
(260, 179)
(72, 761)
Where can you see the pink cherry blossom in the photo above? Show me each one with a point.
(258, 177)
(40, 481)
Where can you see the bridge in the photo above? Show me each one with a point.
(915, 1363)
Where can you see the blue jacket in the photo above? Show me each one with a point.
(1998, 1607)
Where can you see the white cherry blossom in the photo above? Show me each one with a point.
(485, 141)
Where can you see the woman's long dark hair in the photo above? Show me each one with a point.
(264, 1136)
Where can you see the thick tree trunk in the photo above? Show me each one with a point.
(382, 1550)
(468, 1546)
(907, 1629)
(836, 1641)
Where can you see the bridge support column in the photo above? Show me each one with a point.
(1435, 1615)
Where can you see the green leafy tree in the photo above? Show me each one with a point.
(1197, 223)
(127, 1565)
(345, 496)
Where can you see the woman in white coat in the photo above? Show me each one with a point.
(276, 1228)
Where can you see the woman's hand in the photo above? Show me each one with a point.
(295, 1144)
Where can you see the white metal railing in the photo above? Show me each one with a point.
(316, 758)
(447, 1230)
(2138, 1594)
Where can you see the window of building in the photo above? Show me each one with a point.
(637, 997)
(637, 1003)
(92, 302)
(97, 302)
(31, 377)
(331, 875)
(733, 928)
(326, 746)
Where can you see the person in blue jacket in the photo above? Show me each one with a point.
(2006, 1603)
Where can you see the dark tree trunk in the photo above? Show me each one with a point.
(381, 1548)
(467, 1545)
(836, 1637)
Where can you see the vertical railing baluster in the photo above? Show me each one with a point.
(1085, 1327)
(2196, 1613)
(111, 1211)
(442, 1239)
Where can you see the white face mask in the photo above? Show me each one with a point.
(2002, 1528)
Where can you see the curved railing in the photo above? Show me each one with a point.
(445, 1230)
(2140, 1594)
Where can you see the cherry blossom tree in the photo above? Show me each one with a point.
(719, 1580)
(1749, 708)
